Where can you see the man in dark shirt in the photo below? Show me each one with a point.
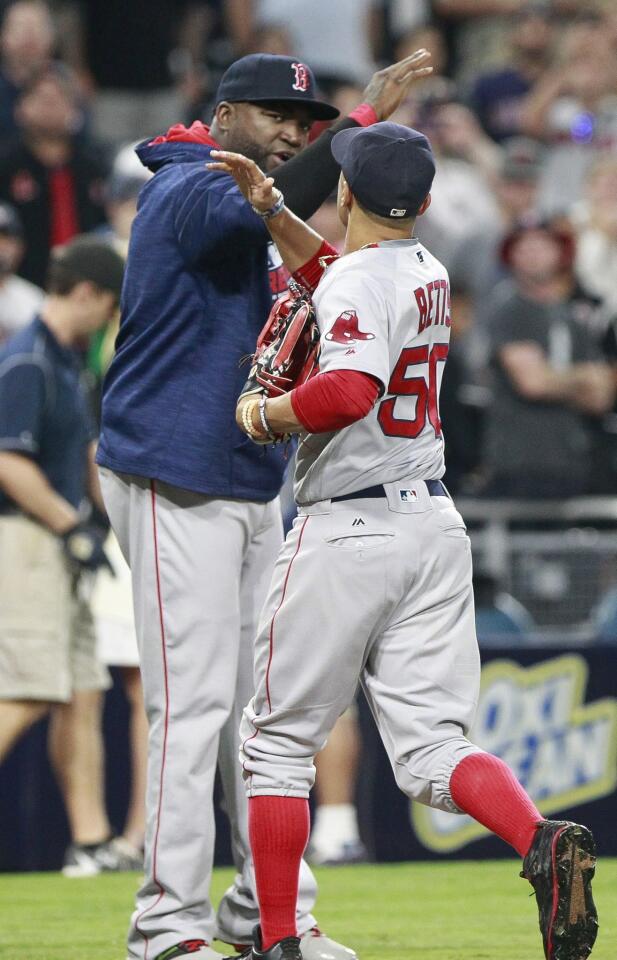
(26, 48)
(139, 59)
(47, 644)
(54, 179)
(498, 94)
(549, 374)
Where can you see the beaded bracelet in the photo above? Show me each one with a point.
(247, 420)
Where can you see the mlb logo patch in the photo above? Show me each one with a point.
(408, 496)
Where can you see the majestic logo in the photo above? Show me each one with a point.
(563, 750)
(302, 77)
(358, 522)
(346, 329)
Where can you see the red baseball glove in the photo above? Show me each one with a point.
(287, 351)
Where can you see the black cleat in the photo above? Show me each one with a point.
(560, 866)
(287, 949)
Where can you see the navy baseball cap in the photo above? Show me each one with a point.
(264, 76)
(389, 167)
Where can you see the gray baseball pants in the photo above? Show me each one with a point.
(378, 590)
(200, 569)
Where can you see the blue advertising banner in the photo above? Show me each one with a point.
(552, 716)
(550, 713)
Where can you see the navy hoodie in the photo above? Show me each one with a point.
(196, 294)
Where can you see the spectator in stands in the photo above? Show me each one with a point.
(427, 36)
(476, 262)
(497, 95)
(26, 45)
(112, 609)
(54, 178)
(595, 220)
(431, 37)
(335, 834)
(47, 647)
(335, 38)
(127, 177)
(122, 188)
(404, 17)
(482, 29)
(463, 203)
(140, 60)
(480, 32)
(272, 38)
(573, 108)
(19, 299)
(549, 375)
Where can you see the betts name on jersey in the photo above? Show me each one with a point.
(383, 310)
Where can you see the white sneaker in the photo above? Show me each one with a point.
(115, 855)
(337, 855)
(315, 945)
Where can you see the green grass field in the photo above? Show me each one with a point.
(445, 911)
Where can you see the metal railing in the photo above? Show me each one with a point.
(558, 559)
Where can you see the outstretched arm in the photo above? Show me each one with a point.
(297, 242)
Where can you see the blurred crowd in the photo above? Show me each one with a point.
(521, 111)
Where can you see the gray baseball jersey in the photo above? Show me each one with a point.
(374, 587)
(385, 311)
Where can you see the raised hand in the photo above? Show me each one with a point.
(258, 189)
(390, 86)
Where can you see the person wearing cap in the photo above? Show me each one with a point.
(19, 299)
(193, 503)
(47, 645)
(549, 376)
(374, 581)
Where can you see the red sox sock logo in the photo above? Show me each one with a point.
(302, 77)
(346, 330)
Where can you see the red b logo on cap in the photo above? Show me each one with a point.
(301, 77)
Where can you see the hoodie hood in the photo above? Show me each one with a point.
(179, 145)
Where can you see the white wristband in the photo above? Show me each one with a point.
(269, 432)
(274, 210)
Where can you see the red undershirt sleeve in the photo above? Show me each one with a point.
(312, 271)
(333, 400)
